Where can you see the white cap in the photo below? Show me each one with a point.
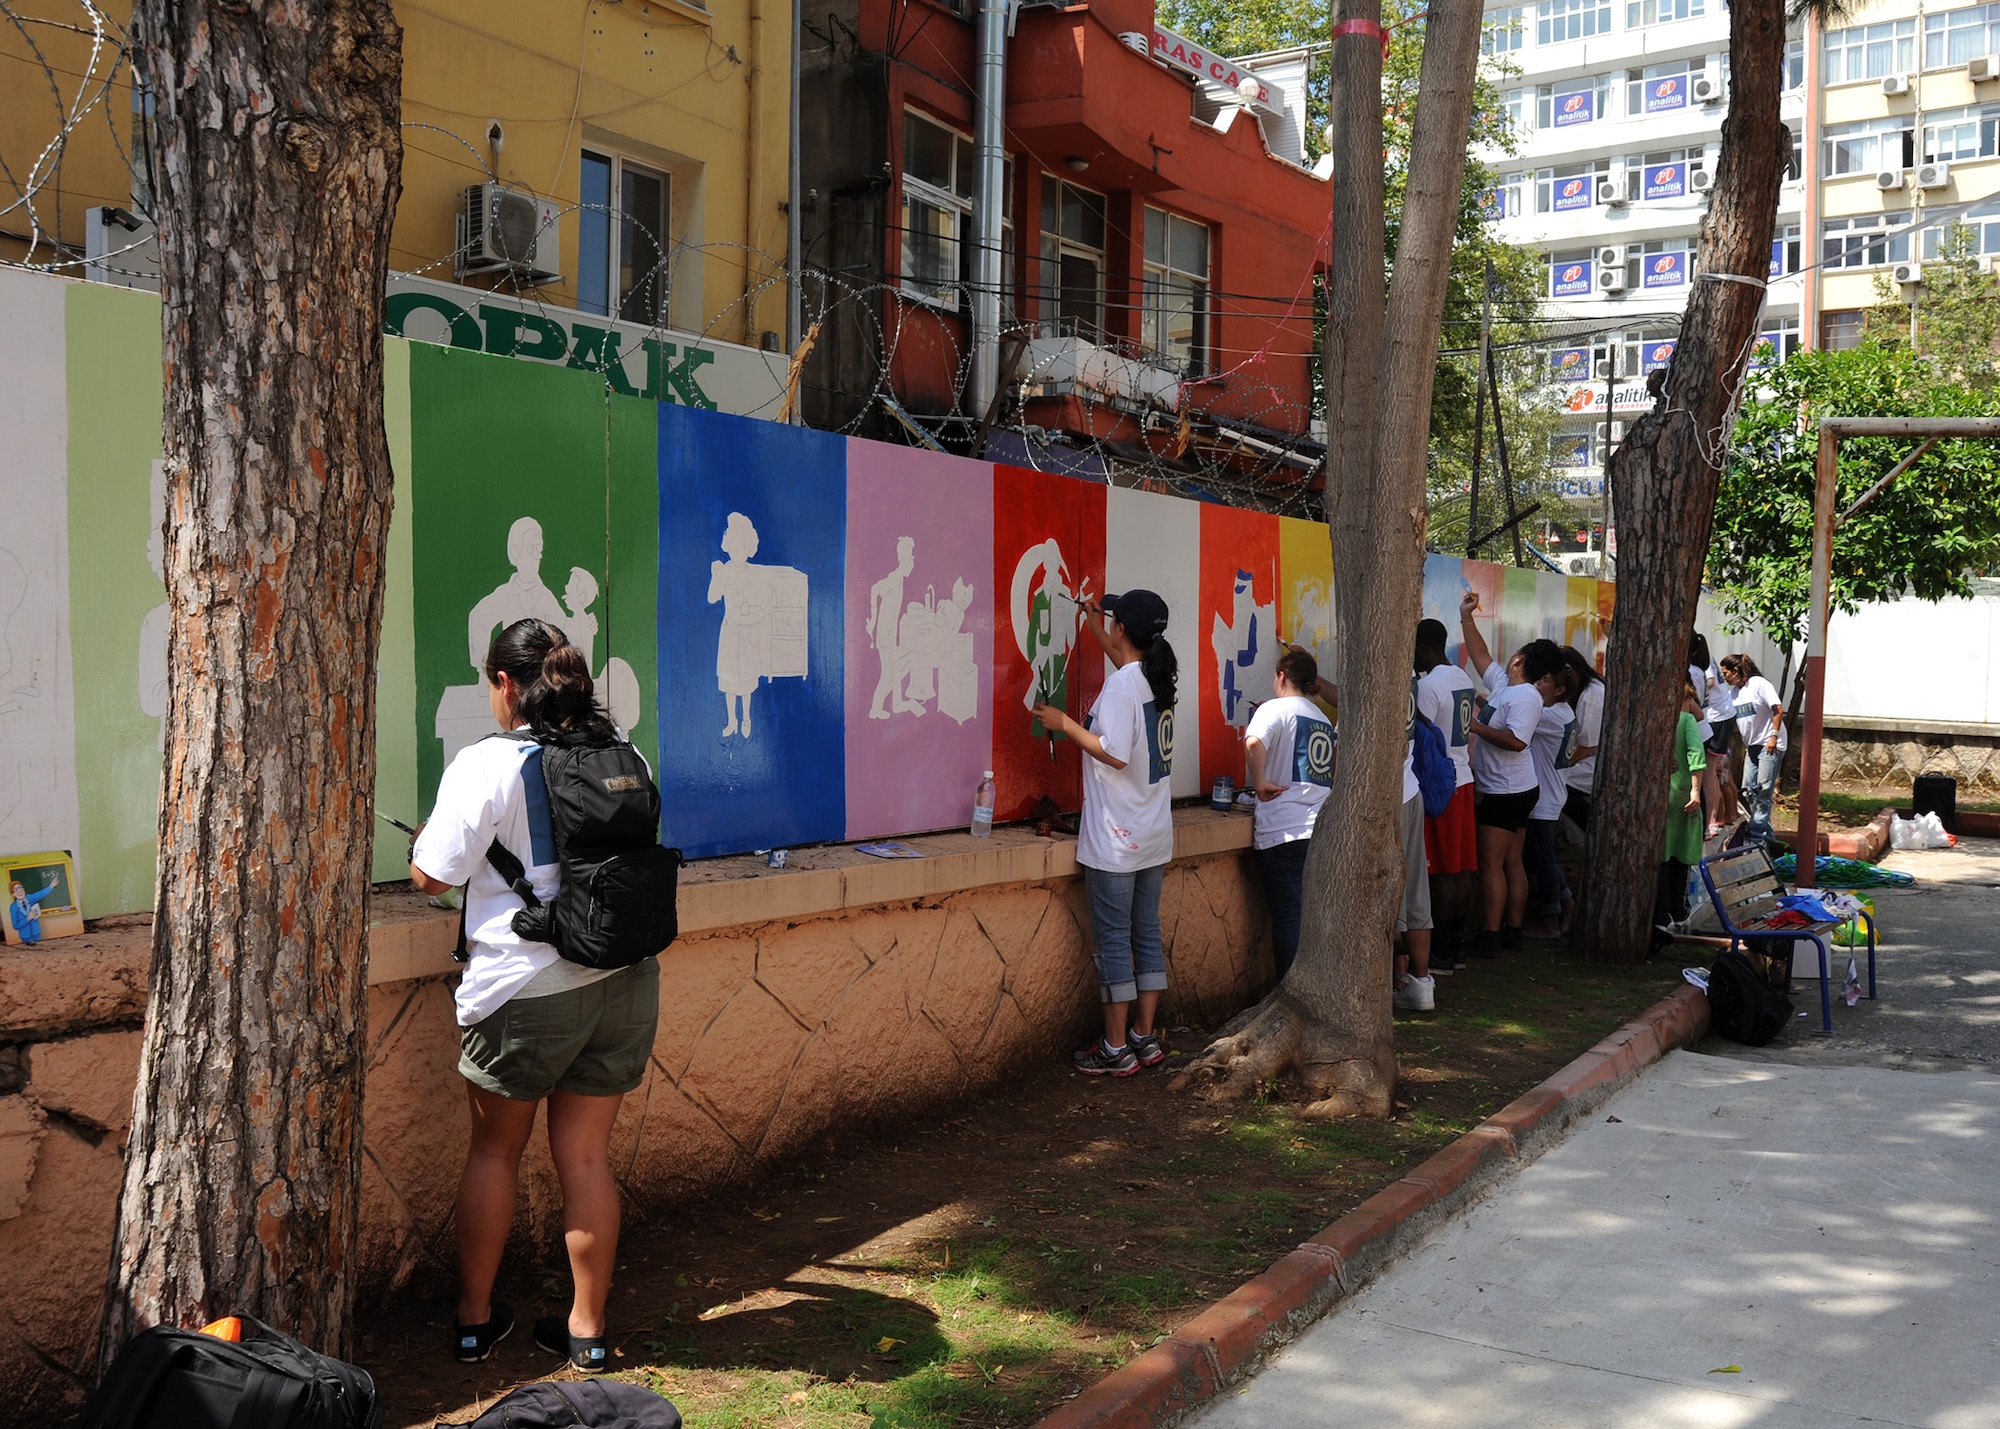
(988, 774)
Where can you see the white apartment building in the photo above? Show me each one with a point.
(1617, 108)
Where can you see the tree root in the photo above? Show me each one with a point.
(1277, 1037)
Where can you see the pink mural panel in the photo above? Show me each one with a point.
(919, 637)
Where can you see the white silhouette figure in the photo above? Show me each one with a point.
(1044, 633)
(1245, 652)
(885, 606)
(763, 634)
(522, 596)
(617, 685)
(923, 643)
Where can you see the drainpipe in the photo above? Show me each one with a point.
(753, 168)
(794, 260)
(989, 124)
(1809, 165)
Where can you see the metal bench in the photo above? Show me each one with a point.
(1745, 890)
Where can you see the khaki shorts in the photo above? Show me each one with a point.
(591, 1040)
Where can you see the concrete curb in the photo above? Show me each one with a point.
(1226, 1341)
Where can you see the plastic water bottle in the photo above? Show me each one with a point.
(982, 807)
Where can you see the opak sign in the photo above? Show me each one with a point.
(1572, 193)
(1190, 58)
(1665, 94)
(1665, 181)
(1570, 364)
(638, 361)
(1655, 355)
(1570, 280)
(1577, 108)
(1664, 270)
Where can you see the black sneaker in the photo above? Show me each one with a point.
(589, 1354)
(474, 1343)
(1512, 939)
(1098, 1060)
(1146, 1048)
(1486, 945)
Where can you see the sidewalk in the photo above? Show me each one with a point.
(1821, 1214)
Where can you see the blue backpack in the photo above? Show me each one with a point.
(1437, 776)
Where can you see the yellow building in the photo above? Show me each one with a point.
(655, 134)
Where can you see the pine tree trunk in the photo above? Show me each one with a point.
(279, 160)
(1330, 1020)
(1663, 483)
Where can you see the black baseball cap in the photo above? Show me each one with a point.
(1142, 613)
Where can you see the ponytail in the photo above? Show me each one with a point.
(557, 697)
(1162, 672)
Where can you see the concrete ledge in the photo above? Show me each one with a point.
(1229, 1339)
(1862, 724)
(1867, 844)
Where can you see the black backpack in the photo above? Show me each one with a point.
(183, 1379)
(617, 903)
(1742, 1004)
(565, 1404)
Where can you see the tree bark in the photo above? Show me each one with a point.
(1330, 1020)
(279, 160)
(1663, 481)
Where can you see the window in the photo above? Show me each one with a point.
(1570, 188)
(1569, 274)
(1559, 20)
(1870, 51)
(1174, 322)
(1956, 36)
(1795, 65)
(1782, 337)
(1867, 241)
(1866, 146)
(1979, 236)
(1514, 193)
(1515, 102)
(1972, 133)
(1661, 87)
(1660, 12)
(938, 178)
(1787, 251)
(1575, 101)
(624, 216)
(1840, 331)
(1505, 32)
(1663, 263)
(1073, 256)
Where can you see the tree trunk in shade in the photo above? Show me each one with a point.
(1663, 485)
(1330, 1020)
(279, 162)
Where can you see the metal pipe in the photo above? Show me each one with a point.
(989, 139)
(794, 260)
(1911, 426)
(1815, 667)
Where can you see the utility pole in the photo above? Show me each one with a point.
(1479, 409)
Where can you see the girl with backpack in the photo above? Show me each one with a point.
(533, 1027)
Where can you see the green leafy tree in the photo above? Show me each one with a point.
(1955, 311)
(1939, 522)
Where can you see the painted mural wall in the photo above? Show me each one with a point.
(813, 638)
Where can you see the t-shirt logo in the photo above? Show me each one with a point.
(1159, 741)
(1746, 710)
(1312, 753)
(1410, 714)
(1566, 751)
(1462, 703)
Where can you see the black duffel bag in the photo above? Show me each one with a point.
(184, 1379)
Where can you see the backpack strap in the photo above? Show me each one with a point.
(268, 1398)
(504, 863)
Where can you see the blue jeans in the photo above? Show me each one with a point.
(1284, 869)
(1760, 786)
(1125, 924)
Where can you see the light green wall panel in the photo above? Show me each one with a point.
(396, 680)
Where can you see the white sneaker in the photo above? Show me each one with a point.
(1417, 994)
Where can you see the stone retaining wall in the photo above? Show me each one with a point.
(1886, 759)
(773, 1034)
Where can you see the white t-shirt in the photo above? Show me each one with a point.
(1555, 737)
(1721, 701)
(494, 789)
(1447, 698)
(1582, 774)
(1756, 706)
(1518, 710)
(1698, 678)
(1412, 786)
(1128, 819)
(1298, 753)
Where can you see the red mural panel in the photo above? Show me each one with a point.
(1048, 554)
(1237, 632)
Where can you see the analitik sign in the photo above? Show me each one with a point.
(1191, 58)
(1571, 279)
(1665, 270)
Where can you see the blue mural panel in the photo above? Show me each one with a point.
(753, 543)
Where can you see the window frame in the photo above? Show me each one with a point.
(1855, 227)
(1508, 24)
(1900, 35)
(1056, 245)
(1872, 130)
(1578, 19)
(1545, 99)
(1635, 12)
(1156, 279)
(945, 285)
(1939, 27)
(613, 305)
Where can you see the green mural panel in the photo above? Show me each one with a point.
(118, 630)
(535, 494)
(396, 683)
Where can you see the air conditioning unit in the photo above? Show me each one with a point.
(1611, 280)
(1895, 84)
(1986, 67)
(1602, 369)
(1611, 256)
(503, 230)
(1991, 262)
(1889, 179)
(1934, 176)
(1700, 180)
(1610, 431)
(1708, 89)
(1908, 274)
(1611, 192)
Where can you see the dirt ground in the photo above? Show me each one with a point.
(981, 1268)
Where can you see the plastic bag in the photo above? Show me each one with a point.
(1933, 831)
(1904, 834)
